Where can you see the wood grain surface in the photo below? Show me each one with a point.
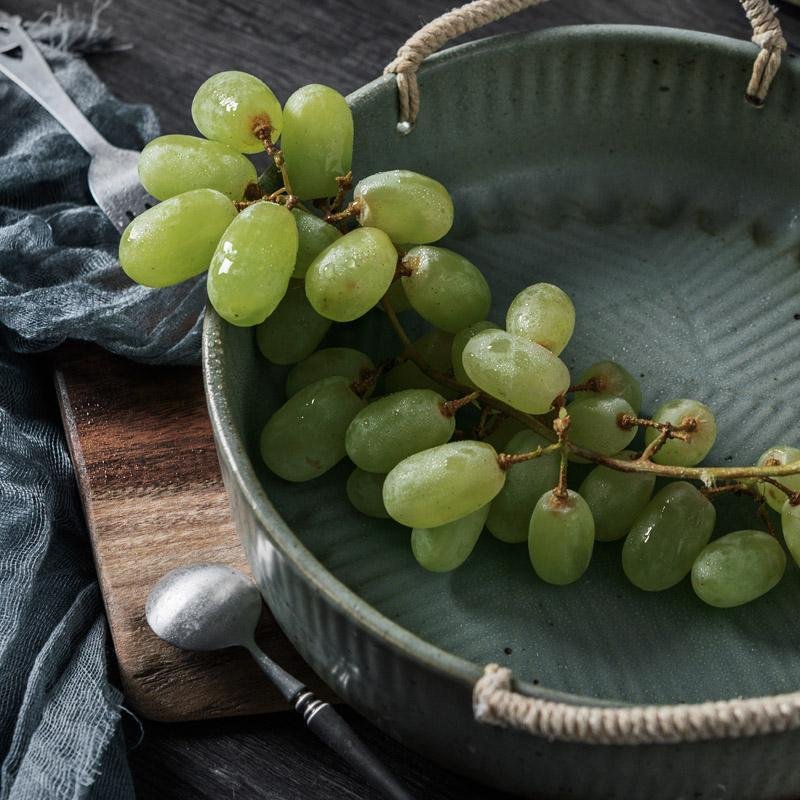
(147, 471)
(344, 43)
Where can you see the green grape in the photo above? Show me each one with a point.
(252, 265)
(510, 514)
(396, 296)
(561, 537)
(444, 288)
(612, 379)
(595, 424)
(500, 435)
(397, 426)
(460, 342)
(738, 568)
(314, 235)
(317, 140)
(544, 314)
(434, 347)
(442, 484)
(667, 537)
(790, 523)
(365, 493)
(699, 440)
(174, 164)
(293, 331)
(778, 456)
(176, 239)
(448, 546)
(351, 275)
(411, 208)
(519, 372)
(305, 437)
(229, 105)
(344, 361)
(616, 498)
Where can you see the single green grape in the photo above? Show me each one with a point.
(396, 426)
(174, 164)
(230, 105)
(250, 271)
(176, 239)
(365, 493)
(448, 546)
(293, 331)
(595, 423)
(317, 140)
(351, 275)
(344, 361)
(434, 347)
(313, 236)
(699, 440)
(442, 484)
(396, 296)
(510, 514)
(790, 524)
(409, 207)
(517, 371)
(667, 537)
(544, 314)
(444, 288)
(738, 568)
(304, 438)
(616, 498)
(612, 379)
(460, 342)
(774, 457)
(561, 537)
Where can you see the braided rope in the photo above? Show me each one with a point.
(495, 703)
(767, 35)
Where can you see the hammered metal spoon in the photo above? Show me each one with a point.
(212, 606)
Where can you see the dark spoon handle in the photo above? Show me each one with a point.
(325, 722)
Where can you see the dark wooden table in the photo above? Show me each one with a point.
(344, 43)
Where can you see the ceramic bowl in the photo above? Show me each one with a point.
(623, 164)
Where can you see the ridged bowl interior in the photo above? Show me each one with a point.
(624, 165)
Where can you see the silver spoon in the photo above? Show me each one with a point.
(212, 606)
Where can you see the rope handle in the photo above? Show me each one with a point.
(495, 703)
(767, 34)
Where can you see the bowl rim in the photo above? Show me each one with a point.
(231, 448)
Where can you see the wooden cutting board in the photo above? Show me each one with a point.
(147, 471)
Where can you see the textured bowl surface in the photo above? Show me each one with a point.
(624, 165)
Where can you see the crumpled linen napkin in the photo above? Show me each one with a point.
(59, 715)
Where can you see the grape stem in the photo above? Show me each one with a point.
(592, 385)
(561, 425)
(449, 407)
(682, 431)
(507, 460)
(791, 494)
(352, 209)
(343, 185)
(263, 131)
(707, 475)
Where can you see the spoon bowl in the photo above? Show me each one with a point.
(204, 607)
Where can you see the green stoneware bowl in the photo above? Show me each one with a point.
(623, 164)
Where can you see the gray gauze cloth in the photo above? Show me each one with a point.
(59, 278)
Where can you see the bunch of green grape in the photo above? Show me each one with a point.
(472, 426)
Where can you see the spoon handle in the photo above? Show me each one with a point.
(324, 721)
